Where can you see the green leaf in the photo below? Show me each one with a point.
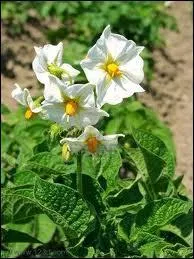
(15, 236)
(25, 177)
(64, 206)
(4, 109)
(110, 164)
(185, 252)
(17, 248)
(125, 225)
(92, 193)
(153, 248)
(45, 228)
(6, 141)
(46, 163)
(18, 205)
(152, 144)
(9, 159)
(114, 125)
(182, 227)
(127, 196)
(169, 253)
(158, 214)
(147, 164)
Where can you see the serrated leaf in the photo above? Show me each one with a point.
(64, 206)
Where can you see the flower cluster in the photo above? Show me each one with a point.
(114, 71)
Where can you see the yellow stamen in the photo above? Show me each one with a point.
(92, 144)
(71, 107)
(28, 114)
(113, 70)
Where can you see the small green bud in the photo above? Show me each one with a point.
(55, 70)
(66, 154)
(38, 101)
(55, 130)
(126, 145)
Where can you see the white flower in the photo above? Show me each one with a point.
(92, 141)
(48, 62)
(24, 98)
(71, 106)
(113, 64)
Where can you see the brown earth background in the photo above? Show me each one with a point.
(171, 94)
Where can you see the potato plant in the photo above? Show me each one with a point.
(88, 171)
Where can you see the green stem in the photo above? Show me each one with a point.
(79, 172)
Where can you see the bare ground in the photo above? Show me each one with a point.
(171, 90)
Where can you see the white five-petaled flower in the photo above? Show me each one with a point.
(48, 62)
(24, 98)
(92, 141)
(71, 106)
(113, 64)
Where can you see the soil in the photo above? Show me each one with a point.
(170, 95)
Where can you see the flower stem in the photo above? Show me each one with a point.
(79, 172)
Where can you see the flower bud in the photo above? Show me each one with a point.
(38, 101)
(55, 130)
(55, 70)
(66, 154)
(126, 145)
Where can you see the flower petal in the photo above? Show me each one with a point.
(75, 145)
(108, 92)
(96, 57)
(133, 70)
(19, 95)
(53, 53)
(90, 116)
(90, 131)
(111, 141)
(54, 112)
(53, 90)
(70, 73)
(92, 70)
(39, 66)
(84, 93)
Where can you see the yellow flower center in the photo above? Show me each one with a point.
(113, 69)
(28, 114)
(71, 107)
(92, 144)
